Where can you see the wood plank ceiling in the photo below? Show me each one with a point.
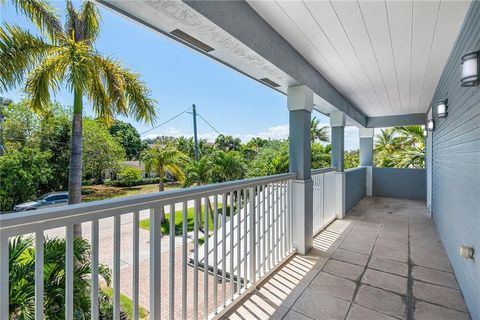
(385, 56)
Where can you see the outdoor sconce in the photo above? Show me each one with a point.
(425, 132)
(466, 252)
(430, 125)
(442, 109)
(471, 69)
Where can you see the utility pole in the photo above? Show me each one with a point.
(195, 140)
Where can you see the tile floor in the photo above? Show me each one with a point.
(383, 261)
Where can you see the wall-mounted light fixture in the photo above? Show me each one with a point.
(430, 125)
(425, 132)
(442, 107)
(471, 69)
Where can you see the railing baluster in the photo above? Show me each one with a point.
(69, 273)
(205, 260)
(94, 277)
(277, 224)
(258, 230)
(245, 239)
(224, 249)
(231, 220)
(239, 241)
(269, 229)
(39, 241)
(4, 274)
(116, 267)
(263, 230)
(274, 224)
(196, 225)
(253, 273)
(171, 266)
(285, 221)
(135, 269)
(282, 252)
(155, 261)
(215, 253)
(184, 258)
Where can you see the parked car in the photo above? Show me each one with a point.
(48, 200)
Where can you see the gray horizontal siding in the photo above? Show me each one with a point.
(456, 164)
(355, 189)
(400, 183)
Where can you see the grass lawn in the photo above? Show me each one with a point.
(126, 304)
(101, 192)
(145, 223)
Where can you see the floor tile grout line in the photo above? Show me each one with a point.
(410, 299)
(329, 256)
(359, 281)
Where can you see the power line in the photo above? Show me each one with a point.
(165, 122)
(208, 123)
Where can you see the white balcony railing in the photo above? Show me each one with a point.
(245, 227)
(323, 197)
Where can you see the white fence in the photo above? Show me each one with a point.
(247, 225)
(323, 197)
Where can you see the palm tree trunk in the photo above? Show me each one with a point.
(75, 172)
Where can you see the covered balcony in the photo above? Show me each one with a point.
(328, 243)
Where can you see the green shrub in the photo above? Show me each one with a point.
(130, 175)
(139, 182)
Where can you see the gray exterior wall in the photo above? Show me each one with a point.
(456, 164)
(400, 183)
(355, 187)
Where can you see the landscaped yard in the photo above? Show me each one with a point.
(101, 192)
(145, 223)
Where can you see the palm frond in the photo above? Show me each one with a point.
(90, 17)
(74, 25)
(47, 76)
(128, 94)
(19, 52)
(42, 14)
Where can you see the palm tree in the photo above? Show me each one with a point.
(198, 173)
(161, 158)
(386, 141)
(317, 132)
(227, 143)
(412, 152)
(66, 56)
(227, 166)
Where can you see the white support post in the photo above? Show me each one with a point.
(300, 106)
(338, 122)
(366, 156)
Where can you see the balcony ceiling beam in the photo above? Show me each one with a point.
(398, 120)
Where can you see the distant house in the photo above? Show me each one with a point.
(113, 174)
(138, 165)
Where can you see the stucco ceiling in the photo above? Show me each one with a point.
(385, 56)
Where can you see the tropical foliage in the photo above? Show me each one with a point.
(162, 159)
(318, 133)
(402, 147)
(22, 279)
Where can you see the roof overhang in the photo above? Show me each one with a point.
(242, 40)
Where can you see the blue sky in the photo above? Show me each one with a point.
(178, 77)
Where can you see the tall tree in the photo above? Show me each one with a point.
(163, 158)
(129, 138)
(318, 133)
(67, 56)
